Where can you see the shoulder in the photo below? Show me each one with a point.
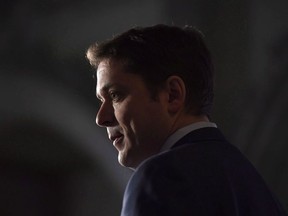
(191, 154)
(195, 161)
(197, 178)
(174, 182)
(192, 165)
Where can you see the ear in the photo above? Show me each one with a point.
(176, 94)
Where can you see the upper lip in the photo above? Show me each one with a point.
(114, 134)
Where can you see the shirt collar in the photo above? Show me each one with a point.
(172, 139)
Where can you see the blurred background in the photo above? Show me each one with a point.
(54, 160)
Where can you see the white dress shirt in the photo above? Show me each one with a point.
(172, 139)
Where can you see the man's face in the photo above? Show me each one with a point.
(137, 124)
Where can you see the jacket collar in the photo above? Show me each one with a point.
(201, 135)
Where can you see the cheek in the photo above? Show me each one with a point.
(124, 114)
(139, 119)
(146, 122)
(131, 119)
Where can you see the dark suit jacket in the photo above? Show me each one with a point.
(202, 175)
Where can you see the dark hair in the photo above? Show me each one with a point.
(157, 52)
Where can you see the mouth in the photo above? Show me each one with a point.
(118, 141)
(118, 144)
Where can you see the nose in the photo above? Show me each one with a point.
(105, 116)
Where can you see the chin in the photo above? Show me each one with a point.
(122, 159)
(125, 162)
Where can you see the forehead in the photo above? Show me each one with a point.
(113, 73)
(111, 66)
(108, 71)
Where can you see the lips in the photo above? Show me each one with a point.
(117, 142)
(117, 138)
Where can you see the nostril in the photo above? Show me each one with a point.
(104, 123)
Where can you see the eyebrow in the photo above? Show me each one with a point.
(105, 89)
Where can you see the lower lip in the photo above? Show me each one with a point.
(118, 143)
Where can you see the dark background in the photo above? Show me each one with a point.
(54, 160)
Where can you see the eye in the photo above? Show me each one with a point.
(115, 96)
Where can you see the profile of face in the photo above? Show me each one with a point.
(136, 123)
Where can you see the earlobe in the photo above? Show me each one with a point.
(176, 93)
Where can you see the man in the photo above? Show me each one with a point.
(155, 85)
